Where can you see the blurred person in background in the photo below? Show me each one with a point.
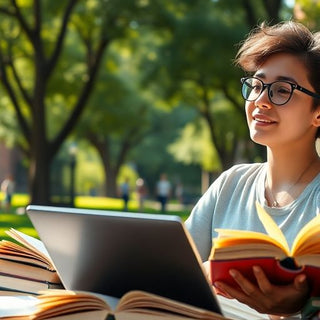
(124, 191)
(7, 187)
(163, 191)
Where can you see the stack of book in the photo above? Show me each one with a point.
(25, 265)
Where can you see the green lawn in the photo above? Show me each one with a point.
(17, 219)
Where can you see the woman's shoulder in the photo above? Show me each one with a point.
(240, 174)
(244, 169)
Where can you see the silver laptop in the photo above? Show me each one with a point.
(112, 252)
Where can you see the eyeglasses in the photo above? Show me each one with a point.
(279, 92)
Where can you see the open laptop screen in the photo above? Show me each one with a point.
(112, 252)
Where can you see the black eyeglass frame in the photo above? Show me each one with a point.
(294, 86)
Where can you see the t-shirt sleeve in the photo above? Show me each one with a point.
(199, 223)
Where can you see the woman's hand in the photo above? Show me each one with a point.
(265, 297)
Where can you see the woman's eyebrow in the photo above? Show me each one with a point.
(262, 75)
(287, 79)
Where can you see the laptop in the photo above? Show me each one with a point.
(111, 253)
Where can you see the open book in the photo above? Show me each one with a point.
(71, 305)
(241, 250)
(25, 264)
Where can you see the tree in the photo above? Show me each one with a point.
(120, 111)
(31, 47)
(114, 123)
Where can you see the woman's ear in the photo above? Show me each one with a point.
(316, 119)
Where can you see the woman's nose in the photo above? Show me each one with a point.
(263, 101)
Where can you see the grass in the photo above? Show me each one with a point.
(17, 219)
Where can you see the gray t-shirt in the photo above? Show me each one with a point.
(229, 203)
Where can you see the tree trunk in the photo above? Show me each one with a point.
(110, 171)
(39, 178)
(111, 182)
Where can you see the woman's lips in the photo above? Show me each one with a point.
(262, 120)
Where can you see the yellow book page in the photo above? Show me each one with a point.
(272, 228)
(312, 247)
(241, 234)
(31, 244)
(154, 305)
(237, 237)
(310, 231)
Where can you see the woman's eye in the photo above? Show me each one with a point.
(256, 87)
(283, 90)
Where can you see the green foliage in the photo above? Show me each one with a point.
(194, 144)
(308, 12)
(202, 49)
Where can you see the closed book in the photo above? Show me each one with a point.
(20, 284)
(28, 270)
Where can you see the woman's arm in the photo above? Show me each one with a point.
(265, 297)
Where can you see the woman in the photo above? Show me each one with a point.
(282, 93)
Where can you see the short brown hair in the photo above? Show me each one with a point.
(285, 37)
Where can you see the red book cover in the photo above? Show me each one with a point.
(275, 271)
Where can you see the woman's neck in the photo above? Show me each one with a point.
(288, 173)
